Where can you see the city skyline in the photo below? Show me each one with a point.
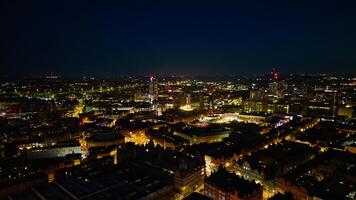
(178, 138)
(165, 100)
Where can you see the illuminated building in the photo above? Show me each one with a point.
(254, 106)
(153, 89)
(164, 137)
(100, 152)
(196, 135)
(318, 179)
(101, 180)
(280, 108)
(320, 108)
(188, 99)
(230, 117)
(256, 103)
(186, 108)
(345, 111)
(225, 185)
(189, 178)
(59, 150)
(212, 164)
(265, 164)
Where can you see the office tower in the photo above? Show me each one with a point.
(153, 89)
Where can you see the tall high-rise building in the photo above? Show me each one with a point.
(153, 89)
(188, 99)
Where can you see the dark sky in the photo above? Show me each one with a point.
(150, 37)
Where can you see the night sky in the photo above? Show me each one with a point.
(150, 37)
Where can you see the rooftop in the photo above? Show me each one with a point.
(230, 182)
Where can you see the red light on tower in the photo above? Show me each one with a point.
(275, 75)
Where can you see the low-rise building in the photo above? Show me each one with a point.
(228, 186)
